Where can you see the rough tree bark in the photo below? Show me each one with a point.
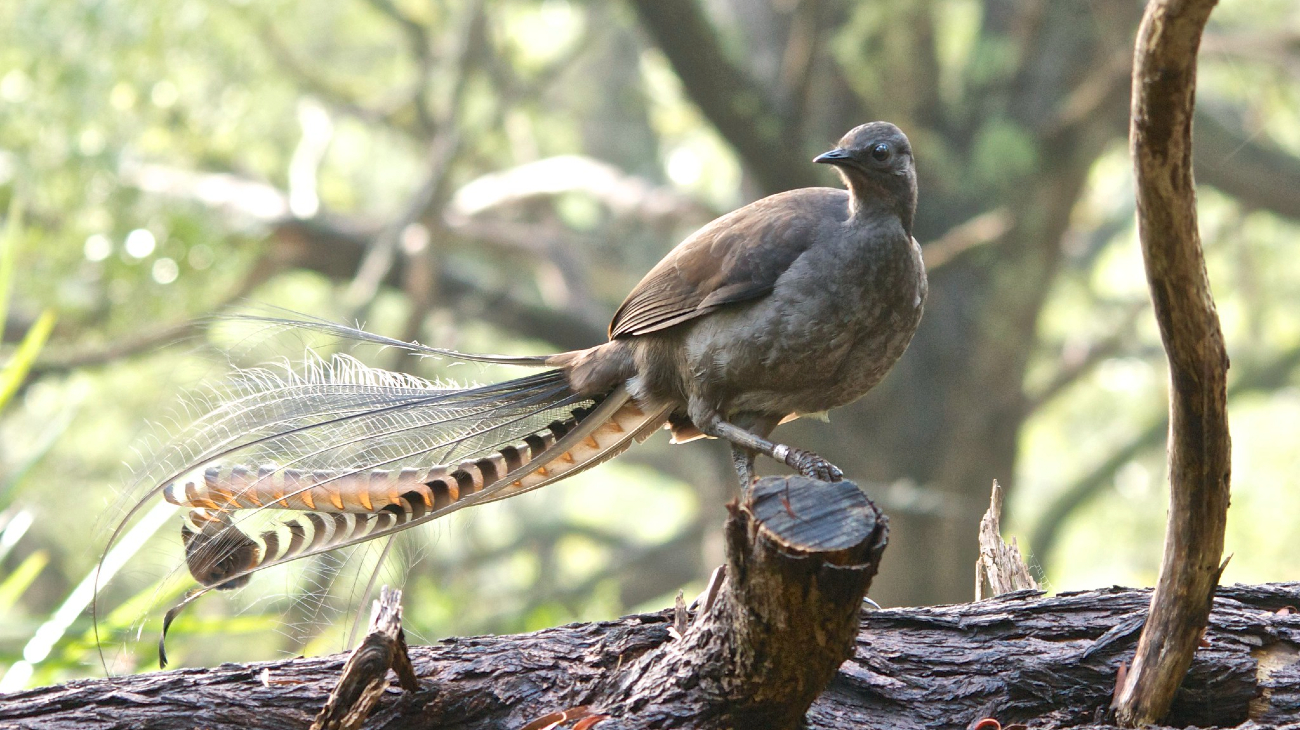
(1200, 450)
(1049, 662)
(800, 556)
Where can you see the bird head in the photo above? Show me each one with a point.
(875, 160)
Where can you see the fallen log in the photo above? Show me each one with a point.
(1021, 657)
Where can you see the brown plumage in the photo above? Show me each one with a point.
(795, 304)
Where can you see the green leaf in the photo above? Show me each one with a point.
(14, 371)
(8, 247)
(16, 584)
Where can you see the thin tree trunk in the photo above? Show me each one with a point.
(1200, 450)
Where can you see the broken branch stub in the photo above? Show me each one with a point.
(365, 675)
(1000, 568)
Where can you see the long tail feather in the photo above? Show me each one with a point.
(282, 466)
(299, 321)
(221, 554)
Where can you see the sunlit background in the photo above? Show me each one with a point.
(494, 177)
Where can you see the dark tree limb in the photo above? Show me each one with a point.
(1164, 83)
(334, 249)
(1095, 353)
(799, 63)
(1258, 175)
(981, 230)
(1255, 378)
(334, 246)
(149, 340)
(1049, 662)
(433, 192)
(422, 55)
(311, 79)
(728, 97)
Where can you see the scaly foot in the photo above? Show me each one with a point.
(809, 464)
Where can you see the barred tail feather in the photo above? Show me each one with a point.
(281, 465)
(364, 505)
(221, 554)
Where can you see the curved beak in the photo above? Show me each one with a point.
(834, 157)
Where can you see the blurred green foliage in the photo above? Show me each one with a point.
(155, 151)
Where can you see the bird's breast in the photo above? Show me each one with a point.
(834, 325)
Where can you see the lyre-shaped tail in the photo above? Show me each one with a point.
(344, 507)
(284, 464)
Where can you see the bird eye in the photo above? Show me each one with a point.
(880, 152)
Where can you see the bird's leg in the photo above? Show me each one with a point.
(804, 462)
(743, 459)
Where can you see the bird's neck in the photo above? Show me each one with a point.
(868, 199)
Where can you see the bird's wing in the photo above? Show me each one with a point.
(736, 258)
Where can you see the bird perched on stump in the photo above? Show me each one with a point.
(793, 305)
(790, 306)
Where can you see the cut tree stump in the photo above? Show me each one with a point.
(800, 556)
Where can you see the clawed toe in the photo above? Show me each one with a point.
(813, 466)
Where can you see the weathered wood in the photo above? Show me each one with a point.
(1052, 662)
(1048, 662)
(1164, 84)
(365, 674)
(1000, 568)
(800, 556)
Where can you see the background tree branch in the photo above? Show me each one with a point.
(1257, 174)
(729, 98)
(1251, 379)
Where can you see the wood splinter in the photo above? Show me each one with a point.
(365, 675)
(1000, 568)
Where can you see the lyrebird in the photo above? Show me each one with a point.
(793, 305)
